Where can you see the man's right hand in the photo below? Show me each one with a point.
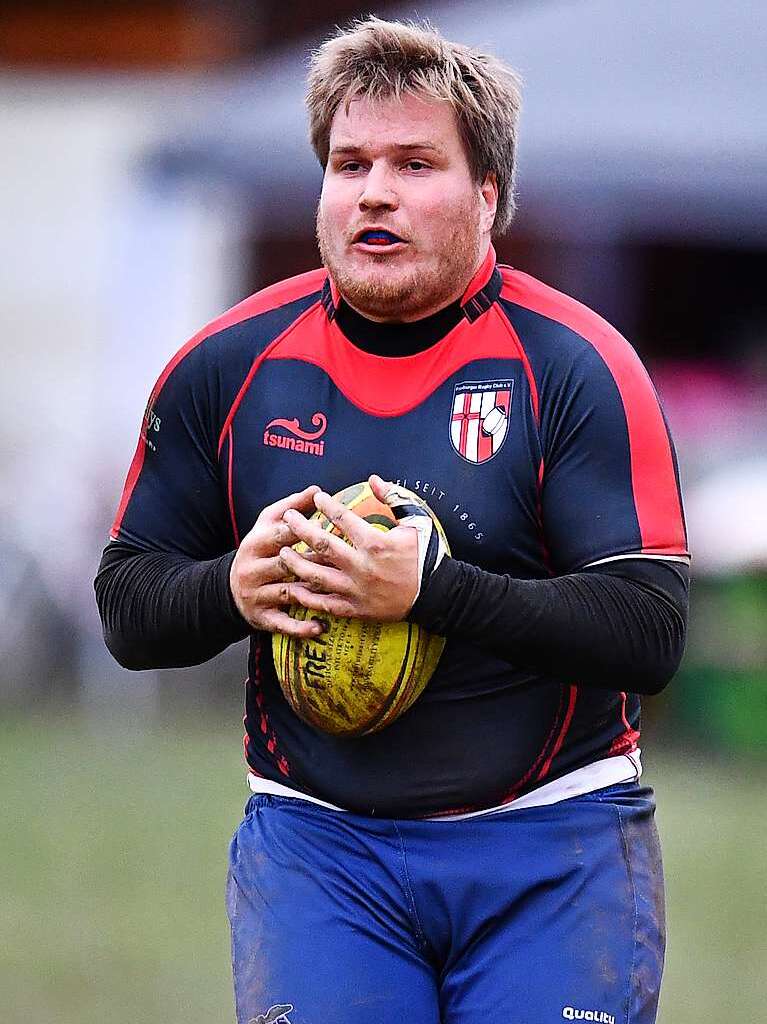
(259, 579)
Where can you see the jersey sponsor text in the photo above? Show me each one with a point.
(296, 439)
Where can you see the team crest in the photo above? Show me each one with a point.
(480, 418)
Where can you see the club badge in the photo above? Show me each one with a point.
(479, 420)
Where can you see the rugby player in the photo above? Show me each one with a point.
(491, 856)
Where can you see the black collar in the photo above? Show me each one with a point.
(405, 339)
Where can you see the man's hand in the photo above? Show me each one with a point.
(374, 577)
(259, 577)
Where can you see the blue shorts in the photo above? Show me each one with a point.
(531, 916)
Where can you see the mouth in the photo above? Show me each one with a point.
(377, 238)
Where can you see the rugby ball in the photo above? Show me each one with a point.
(494, 422)
(358, 676)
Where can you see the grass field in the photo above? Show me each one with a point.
(112, 867)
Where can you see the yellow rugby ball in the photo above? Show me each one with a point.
(358, 676)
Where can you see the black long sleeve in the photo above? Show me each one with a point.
(163, 610)
(617, 626)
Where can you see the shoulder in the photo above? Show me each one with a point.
(551, 309)
(232, 340)
(294, 294)
(558, 331)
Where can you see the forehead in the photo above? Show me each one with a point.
(395, 122)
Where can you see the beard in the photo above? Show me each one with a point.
(414, 290)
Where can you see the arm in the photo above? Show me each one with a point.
(170, 589)
(163, 610)
(618, 626)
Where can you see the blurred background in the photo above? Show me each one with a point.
(155, 170)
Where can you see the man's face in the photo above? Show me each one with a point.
(399, 167)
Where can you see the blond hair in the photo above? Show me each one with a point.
(384, 59)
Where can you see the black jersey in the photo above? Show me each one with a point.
(534, 433)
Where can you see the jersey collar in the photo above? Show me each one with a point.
(484, 288)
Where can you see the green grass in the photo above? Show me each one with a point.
(113, 861)
(113, 867)
(711, 817)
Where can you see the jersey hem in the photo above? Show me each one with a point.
(609, 771)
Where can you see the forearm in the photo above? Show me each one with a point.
(161, 610)
(620, 626)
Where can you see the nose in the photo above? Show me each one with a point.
(379, 189)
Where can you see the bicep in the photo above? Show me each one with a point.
(610, 485)
(174, 499)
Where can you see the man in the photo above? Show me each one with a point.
(489, 856)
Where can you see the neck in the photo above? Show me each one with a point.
(429, 310)
(401, 338)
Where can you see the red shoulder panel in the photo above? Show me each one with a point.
(656, 492)
(263, 301)
(278, 294)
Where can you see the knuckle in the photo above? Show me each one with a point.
(375, 545)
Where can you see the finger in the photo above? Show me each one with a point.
(259, 571)
(322, 542)
(275, 595)
(330, 604)
(379, 486)
(276, 621)
(273, 536)
(317, 577)
(301, 500)
(348, 522)
(283, 595)
(316, 557)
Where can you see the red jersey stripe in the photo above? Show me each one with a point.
(628, 739)
(254, 367)
(522, 355)
(481, 277)
(656, 493)
(230, 488)
(571, 699)
(261, 302)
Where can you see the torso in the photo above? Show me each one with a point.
(300, 404)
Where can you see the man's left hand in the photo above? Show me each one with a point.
(373, 577)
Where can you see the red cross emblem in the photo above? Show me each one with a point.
(479, 420)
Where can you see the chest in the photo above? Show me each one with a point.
(469, 446)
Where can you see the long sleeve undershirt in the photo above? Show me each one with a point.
(616, 626)
(624, 621)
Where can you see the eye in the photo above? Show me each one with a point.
(417, 165)
(350, 165)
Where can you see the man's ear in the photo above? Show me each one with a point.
(489, 201)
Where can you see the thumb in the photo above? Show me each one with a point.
(411, 511)
(380, 487)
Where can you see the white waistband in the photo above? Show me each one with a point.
(610, 771)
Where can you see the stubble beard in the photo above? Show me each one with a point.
(415, 291)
